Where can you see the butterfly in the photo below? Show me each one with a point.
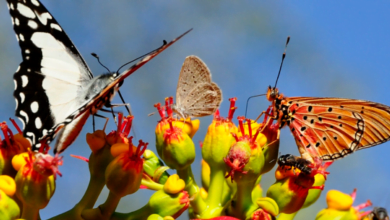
(330, 128)
(55, 90)
(196, 94)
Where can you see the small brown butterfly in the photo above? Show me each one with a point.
(330, 128)
(196, 94)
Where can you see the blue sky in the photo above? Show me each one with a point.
(337, 49)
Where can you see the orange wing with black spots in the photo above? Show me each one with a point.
(331, 128)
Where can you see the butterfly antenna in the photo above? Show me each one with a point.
(281, 64)
(164, 43)
(247, 102)
(98, 59)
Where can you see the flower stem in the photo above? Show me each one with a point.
(216, 190)
(109, 206)
(244, 199)
(284, 216)
(139, 214)
(192, 188)
(29, 212)
(151, 185)
(95, 186)
(104, 211)
(217, 180)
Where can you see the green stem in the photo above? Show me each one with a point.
(95, 186)
(108, 207)
(192, 188)
(140, 214)
(151, 184)
(216, 191)
(104, 211)
(217, 183)
(284, 216)
(29, 212)
(244, 198)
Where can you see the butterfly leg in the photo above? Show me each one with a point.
(127, 107)
(266, 113)
(100, 116)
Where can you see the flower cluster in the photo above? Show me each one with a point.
(234, 159)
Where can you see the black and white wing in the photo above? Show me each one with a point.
(49, 81)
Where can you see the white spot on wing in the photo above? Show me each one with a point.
(34, 107)
(17, 70)
(55, 26)
(35, 2)
(17, 38)
(17, 103)
(24, 80)
(24, 114)
(27, 57)
(21, 37)
(32, 24)
(25, 11)
(32, 136)
(27, 51)
(28, 70)
(16, 84)
(21, 97)
(44, 132)
(68, 120)
(44, 17)
(17, 22)
(38, 123)
(20, 119)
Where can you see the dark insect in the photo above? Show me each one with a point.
(378, 213)
(294, 161)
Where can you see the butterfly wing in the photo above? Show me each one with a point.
(334, 127)
(196, 94)
(52, 74)
(74, 122)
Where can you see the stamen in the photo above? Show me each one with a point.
(160, 110)
(16, 126)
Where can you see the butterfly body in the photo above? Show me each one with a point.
(196, 94)
(55, 90)
(331, 128)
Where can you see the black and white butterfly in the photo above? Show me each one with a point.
(55, 91)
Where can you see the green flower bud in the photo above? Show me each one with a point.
(268, 205)
(174, 146)
(166, 204)
(219, 138)
(340, 207)
(155, 217)
(35, 181)
(8, 207)
(153, 167)
(245, 156)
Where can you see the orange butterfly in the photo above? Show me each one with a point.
(330, 128)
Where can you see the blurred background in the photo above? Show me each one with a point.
(337, 49)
